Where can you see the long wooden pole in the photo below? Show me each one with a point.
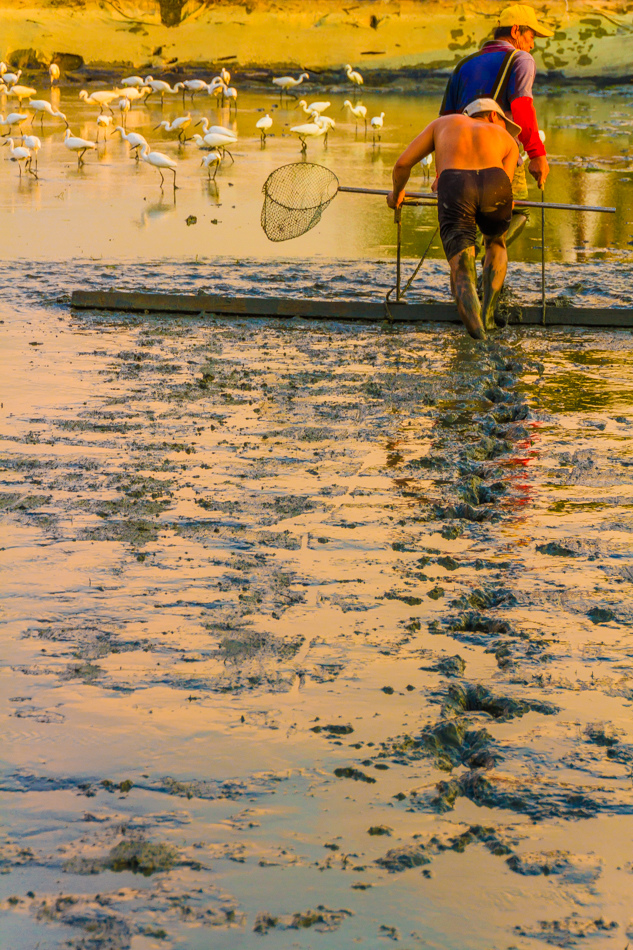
(543, 303)
(430, 197)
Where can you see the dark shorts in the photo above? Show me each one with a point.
(467, 199)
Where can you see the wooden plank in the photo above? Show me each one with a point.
(260, 306)
(286, 307)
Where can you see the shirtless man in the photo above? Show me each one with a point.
(475, 158)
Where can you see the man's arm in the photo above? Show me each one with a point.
(524, 114)
(423, 145)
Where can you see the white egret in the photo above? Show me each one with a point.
(54, 73)
(215, 140)
(313, 107)
(160, 86)
(179, 125)
(22, 92)
(426, 165)
(353, 76)
(33, 144)
(225, 76)
(131, 81)
(310, 130)
(264, 125)
(326, 122)
(135, 140)
(220, 129)
(100, 98)
(20, 154)
(14, 118)
(230, 93)
(376, 125)
(45, 108)
(135, 92)
(191, 86)
(10, 79)
(80, 146)
(123, 105)
(212, 160)
(103, 122)
(359, 112)
(286, 83)
(161, 162)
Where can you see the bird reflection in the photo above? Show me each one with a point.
(210, 187)
(156, 209)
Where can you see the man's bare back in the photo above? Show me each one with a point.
(462, 142)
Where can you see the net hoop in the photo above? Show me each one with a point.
(295, 197)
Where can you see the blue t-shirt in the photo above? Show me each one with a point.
(477, 77)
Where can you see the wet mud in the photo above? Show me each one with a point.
(312, 629)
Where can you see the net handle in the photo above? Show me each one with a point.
(430, 196)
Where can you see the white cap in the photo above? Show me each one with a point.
(490, 105)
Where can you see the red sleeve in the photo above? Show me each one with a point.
(524, 114)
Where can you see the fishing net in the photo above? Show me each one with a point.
(295, 197)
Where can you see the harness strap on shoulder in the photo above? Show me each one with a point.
(503, 76)
(501, 81)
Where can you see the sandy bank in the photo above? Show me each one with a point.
(590, 41)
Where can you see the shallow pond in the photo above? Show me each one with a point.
(314, 631)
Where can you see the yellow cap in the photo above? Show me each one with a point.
(521, 14)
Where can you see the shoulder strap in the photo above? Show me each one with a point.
(503, 76)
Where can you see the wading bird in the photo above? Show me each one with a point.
(353, 76)
(426, 165)
(135, 92)
(160, 86)
(45, 108)
(359, 112)
(10, 79)
(135, 140)
(326, 122)
(310, 130)
(34, 145)
(77, 145)
(22, 92)
(54, 73)
(286, 83)
(132, 81)
(14, 118)
(100, 98)
(160, 162)
(212, 161)
(220, 129)
(215, 140)
(376, 125)
(103, 122)
(264, 125)
(179, 125)
(191, 86)
(313, 107)
(225, 76)
(20, 154)
(230, 93)
(123, 105)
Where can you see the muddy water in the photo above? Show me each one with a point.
(112, 209)
(313, 631)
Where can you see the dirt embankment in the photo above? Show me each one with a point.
(591, 40)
